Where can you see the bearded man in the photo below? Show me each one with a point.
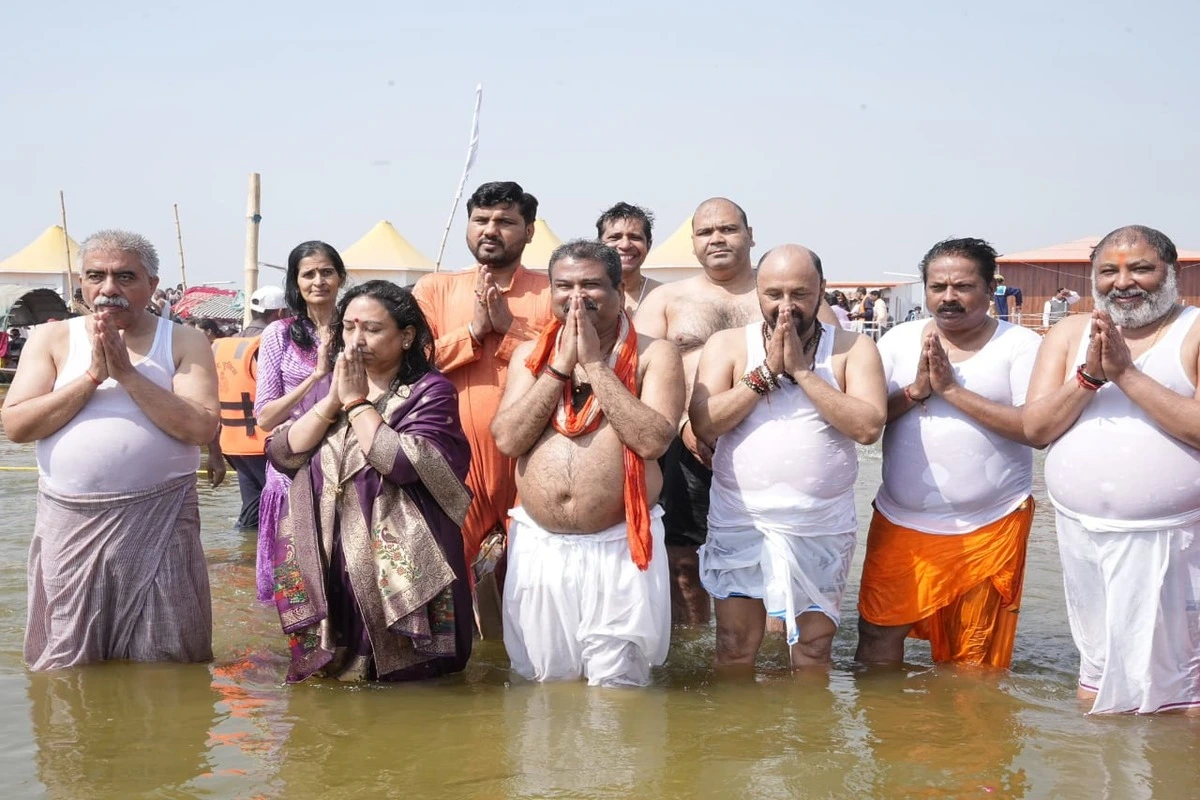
(479, 317)
(1114, 394)
(785, 398)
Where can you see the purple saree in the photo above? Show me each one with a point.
(370, 575)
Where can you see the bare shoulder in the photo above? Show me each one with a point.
(730, 340)
(50, 341)
(847, 342)
(188, 342)
(522, 351)
(1067, 331)
(49, 334)
(656, 350)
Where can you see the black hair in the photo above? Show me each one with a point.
(588, 250)
(210, 326)
(301, 330)
(627, 211)
(504, 193)
(403, 309)
(976, 250)
(1164, 248)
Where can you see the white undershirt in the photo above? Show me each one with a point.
(784, 465)
(1115, 469)
(943, 472)
(111, 445)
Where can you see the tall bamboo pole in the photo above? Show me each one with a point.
(253, 218)
(62, 203)
(179, 238)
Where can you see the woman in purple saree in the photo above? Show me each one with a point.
(370, 575)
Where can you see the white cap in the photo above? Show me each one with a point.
(267, 298)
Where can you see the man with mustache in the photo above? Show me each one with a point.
(945, 554)
(588, 409)
(786, 398)
(118, 402)
(629, 230)
(1114, 395)
(479, 316)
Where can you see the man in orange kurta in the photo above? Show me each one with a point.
(479, 316)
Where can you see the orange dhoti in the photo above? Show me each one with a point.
(961, 592)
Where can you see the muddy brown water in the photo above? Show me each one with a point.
(232, 729)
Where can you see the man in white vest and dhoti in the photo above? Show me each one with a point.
(1114, 394)
(118, 402)
(785, 398)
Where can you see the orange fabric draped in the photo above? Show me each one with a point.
(962, 593)
(572, 423)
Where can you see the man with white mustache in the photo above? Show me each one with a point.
(1115, 396)
(118, 402)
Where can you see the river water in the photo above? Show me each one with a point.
(232, 729)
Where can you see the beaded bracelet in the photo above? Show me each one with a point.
(750, 380)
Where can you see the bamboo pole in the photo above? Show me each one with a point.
(62, 204)
(253, 218)
(179, 238)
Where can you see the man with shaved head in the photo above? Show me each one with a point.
(1114, 395)
(785, 398)
(687, 313)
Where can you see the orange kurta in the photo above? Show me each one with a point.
(961, 592)
(478, 372)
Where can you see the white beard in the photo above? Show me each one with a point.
(1154, 306)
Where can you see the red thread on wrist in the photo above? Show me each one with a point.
(1087, 381)
(95, 381)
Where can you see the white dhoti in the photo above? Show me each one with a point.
(576, 604)
(1133, 602)
(790, 574)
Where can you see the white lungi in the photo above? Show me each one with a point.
(1133, 602)
(576, 604)
(790, 574)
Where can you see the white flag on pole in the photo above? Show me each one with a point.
(472, 147)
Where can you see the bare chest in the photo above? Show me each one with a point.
(692, 320)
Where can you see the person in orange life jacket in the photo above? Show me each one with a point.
(241, 442)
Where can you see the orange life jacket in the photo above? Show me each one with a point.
(237, 387)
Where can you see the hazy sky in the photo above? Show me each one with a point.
(866, 131)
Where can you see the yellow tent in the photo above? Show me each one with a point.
(545, 242)
(673, 259)
(43, 262)
(384, 254)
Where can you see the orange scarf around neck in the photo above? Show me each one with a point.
(572, 423)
